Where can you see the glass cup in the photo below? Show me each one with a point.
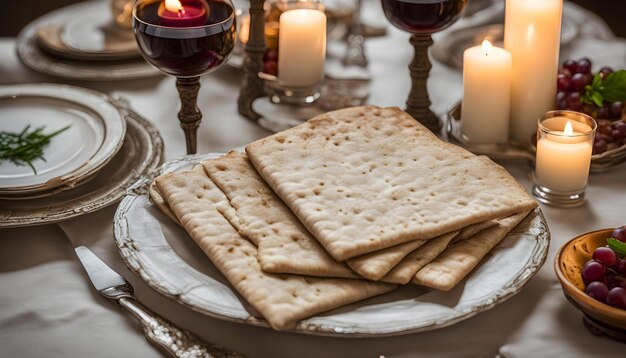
(564, 146)
(301, 53)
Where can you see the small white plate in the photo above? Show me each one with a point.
(94, 34)
(95, 134)
(163, 255)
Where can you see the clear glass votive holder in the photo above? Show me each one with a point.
(564, 146)
(301, 52)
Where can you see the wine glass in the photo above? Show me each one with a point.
(185, 39)
(422, 18)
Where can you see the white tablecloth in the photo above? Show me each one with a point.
(49, 309)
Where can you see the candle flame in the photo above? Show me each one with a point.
(175, 6)
(568, 129)
(487, 47)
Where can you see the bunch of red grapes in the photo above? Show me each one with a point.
(572, 79)
(270, 62)
(605, 274)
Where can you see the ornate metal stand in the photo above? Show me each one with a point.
(252, 87)
(189, 114)
(419, 102)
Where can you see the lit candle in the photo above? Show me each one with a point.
(173, 13)
(532, 35)
(486, 94)
(563, 154)
(302, 47)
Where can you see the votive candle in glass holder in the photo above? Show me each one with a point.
(564, 146)
(301, 52)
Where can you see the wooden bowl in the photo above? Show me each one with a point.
(568, 265)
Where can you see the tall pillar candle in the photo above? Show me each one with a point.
(486, 94)
(301, 47)
(532, 30)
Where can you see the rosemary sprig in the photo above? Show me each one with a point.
(24, 147)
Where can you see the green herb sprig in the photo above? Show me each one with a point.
(610, 89)
(24, 147)
(617, 246)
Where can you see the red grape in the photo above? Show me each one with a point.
(565, 71)
(597, 290)
(563, 82)
(578, 82)
(617, 297)
(605, 71)
(270, 67)
(619, 130)
(605, 256)
(593, 271)
(270, 55)
(604, 127)
(599, 146)
(561, 102)
(615, 110)
(573, 101)
(621, 267)
(571, 66)
(619, 234)
(603, 112)
(584, 66)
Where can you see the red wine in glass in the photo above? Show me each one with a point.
(421, 18)
(186, 39)
(186, 51)
(416, 16)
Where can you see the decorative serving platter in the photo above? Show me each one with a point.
(166, 258)
(50, 63)
(507, 152)
(95, 130)
(139, 157)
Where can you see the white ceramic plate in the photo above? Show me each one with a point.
(95, 34)
(167, 259)
(50, 63)
(95, 134)
(140, 156)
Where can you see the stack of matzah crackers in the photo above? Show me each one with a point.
(343, 208)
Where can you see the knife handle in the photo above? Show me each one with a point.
(172, 340)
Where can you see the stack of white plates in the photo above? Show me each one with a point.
(89, 165)
(82, 42)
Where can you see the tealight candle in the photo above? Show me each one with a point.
(173, 13)
(564, 146)
(486, 94)
(302, 47)
(532, 30)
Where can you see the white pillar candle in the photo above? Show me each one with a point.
(486, 94)
(301, 47)
(564, 155)
(532, 30)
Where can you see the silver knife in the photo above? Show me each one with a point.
(163, 334)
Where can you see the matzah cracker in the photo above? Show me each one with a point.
(472, 230)
(406, 269)
(458, 260)
(366, 178)
(282, 299)
(375, 265)
(157, 199)
(284, 245)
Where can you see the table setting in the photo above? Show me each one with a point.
(342, 178)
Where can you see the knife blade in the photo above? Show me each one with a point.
(163, 334)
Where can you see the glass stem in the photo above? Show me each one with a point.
(189, 114)
(418, 104)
